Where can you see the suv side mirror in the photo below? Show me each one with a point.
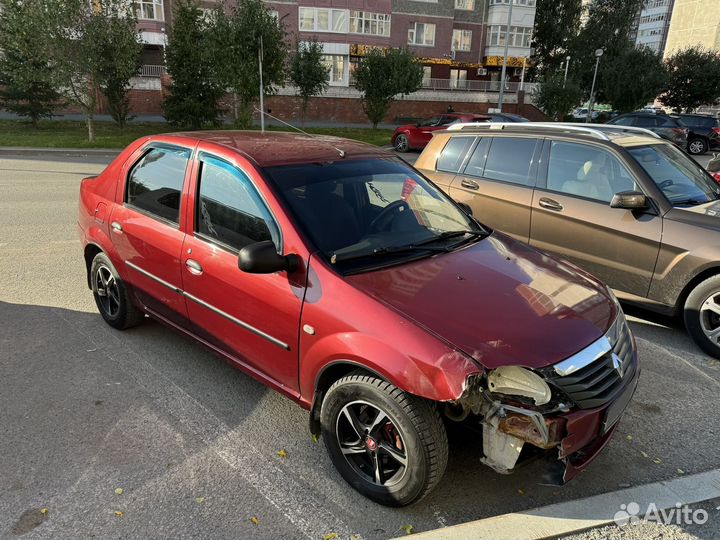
(629, 200)
(263, 258)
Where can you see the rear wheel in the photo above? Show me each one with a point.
(111, 295)
(402, 144)
(697, 146)
(702, 315)
(387, 444)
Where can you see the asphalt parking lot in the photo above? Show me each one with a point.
(193, 443)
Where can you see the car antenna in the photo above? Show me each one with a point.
(338, 150)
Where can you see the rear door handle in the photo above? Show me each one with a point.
(194, 267)
(469, 184)
(116, 227)
(550, 204)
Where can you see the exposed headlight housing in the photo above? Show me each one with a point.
(518, 381)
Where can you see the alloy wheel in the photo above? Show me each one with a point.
(401, 143)
(696, 147)
(107, 291)
(371, 443)
(710, 318)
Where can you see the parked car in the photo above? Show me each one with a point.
(416, 136)
(506, 117)
(704, 132)
(334, 273)
(625, 205)
(669, 127)
(582, 114)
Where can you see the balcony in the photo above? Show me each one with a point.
(473, 86)
(152, 71)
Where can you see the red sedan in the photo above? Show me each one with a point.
(336, 274)
(416, 136)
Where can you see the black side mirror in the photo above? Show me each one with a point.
(263, 258)
(629, 200)
(465, 208)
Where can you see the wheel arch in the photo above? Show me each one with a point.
(694, 282)
(90, 252)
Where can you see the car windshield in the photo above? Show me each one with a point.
(371, 211)
(678, 176)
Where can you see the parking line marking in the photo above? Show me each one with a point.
(297, 503)
(581, 514)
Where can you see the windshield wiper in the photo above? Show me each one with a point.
(452, 234)
(692, 202)
(385, 250)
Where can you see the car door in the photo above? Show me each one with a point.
(497, 182)
(146, 230)
(252, 318)
(572, 217)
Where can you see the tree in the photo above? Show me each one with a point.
(693, 79)
(635, 78)
(192, 63)
(85, 39)
(556, 24)
(239, 36)
(308, 72)
(556, 97)
(26, 75)
(381, 76)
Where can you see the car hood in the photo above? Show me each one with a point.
(704, 215)
(499, 301)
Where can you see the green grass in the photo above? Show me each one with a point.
(73, 134)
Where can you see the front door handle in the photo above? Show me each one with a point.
(550, 204)
(469, 184)
(194, 267)
(117, 227)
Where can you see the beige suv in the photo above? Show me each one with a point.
(620, 202)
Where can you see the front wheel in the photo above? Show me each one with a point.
(697, 146)
(402, 144)
(389, 445)
(702, 315)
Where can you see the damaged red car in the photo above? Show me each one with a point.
(336, 274)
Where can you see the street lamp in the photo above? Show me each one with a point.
(567, 65)
(598, 54)
(505, 58)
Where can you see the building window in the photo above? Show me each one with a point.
(323, 20)
(458, 78)
(527, 3)
(374, 24)
(520, 36)
(421, 34)
(467, 5)
(150, 10)
(461, 40)
(337, 65)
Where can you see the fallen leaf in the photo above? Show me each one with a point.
(254, 520)
(330, 536)
(680, 471)
(314, 438)
(199, 500)
(119, 491)
(119, 514)
(357, 536)
(657, 460)
(282, 454)
(629, 437)
(407, 528)
(44, 511)
(643, 454)
(521, 492)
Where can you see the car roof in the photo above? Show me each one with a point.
(281, 147)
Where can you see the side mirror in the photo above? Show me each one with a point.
(629, 200)
(465, 208)
(263, 258)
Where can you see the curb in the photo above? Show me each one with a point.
(582, 514)
(38, 151)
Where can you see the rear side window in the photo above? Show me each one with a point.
(229, 209)
(509, 160)
(156, 181)
(624, 121)
(645, 121)
(666, 121)
(452, 156)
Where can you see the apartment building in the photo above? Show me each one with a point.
(650, 27)
(694, 22)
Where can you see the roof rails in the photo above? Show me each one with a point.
(594, 130)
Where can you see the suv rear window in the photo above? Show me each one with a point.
(452, 156)
(509, 160)
(699, 121)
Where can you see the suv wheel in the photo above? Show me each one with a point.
(697, 146)
(401, 143)
(111, 295)
(702, 315)
(389, 445)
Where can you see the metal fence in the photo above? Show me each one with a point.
(152, 71)
(473, 86)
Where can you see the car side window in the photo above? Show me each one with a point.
(156, 181)
(645, 121)
(586, 171)
(229, 209)
(452, 156)
(510, 160)
(624, 121)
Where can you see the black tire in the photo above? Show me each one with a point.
(412, 429)
(111, 295)
(697, 146)
(700, 319)
(402, 143)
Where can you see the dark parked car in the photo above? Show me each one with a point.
(704, 132)
(336, 274)
(506, 117)
(669, 127)
(416, 136)
(625, 205)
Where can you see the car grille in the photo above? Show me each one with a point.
(603, 379)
